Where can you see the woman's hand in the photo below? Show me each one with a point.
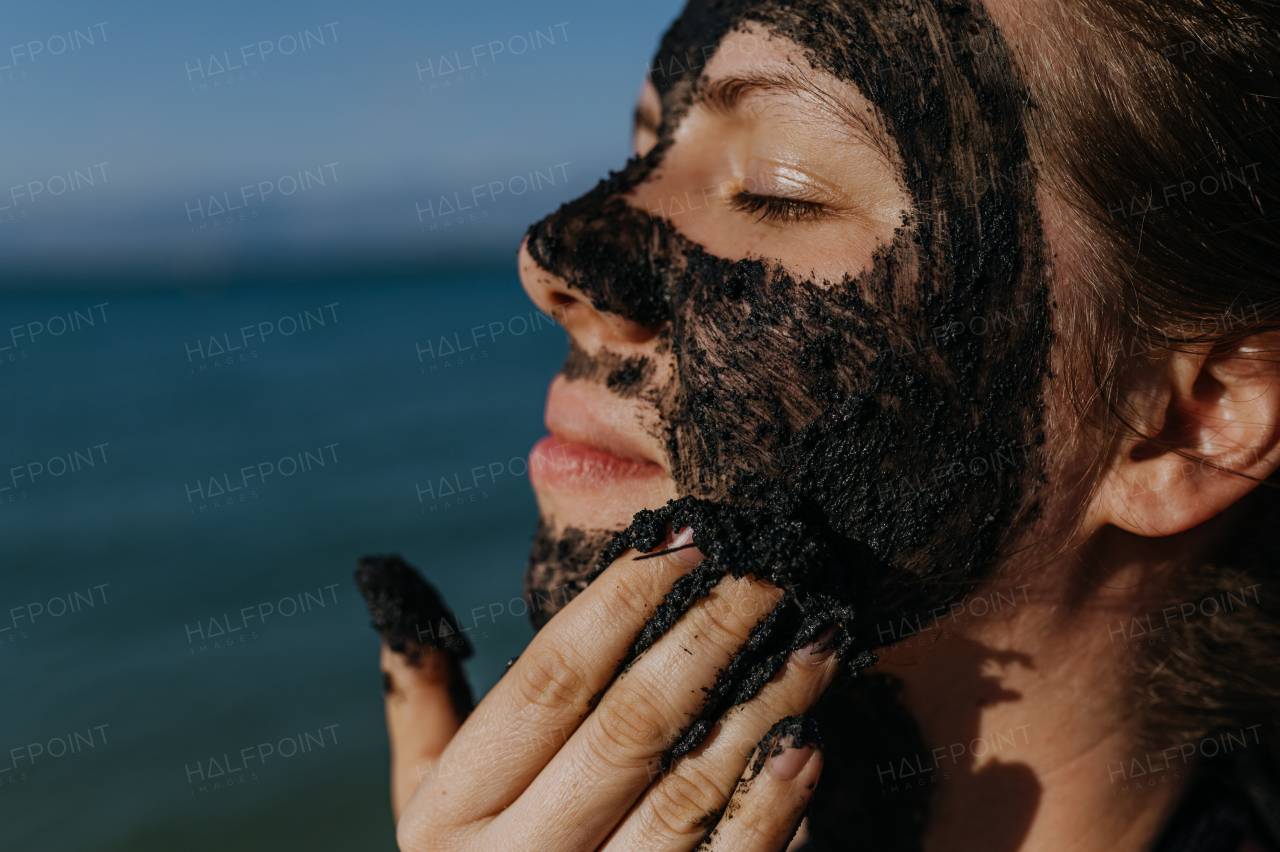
(562, 756)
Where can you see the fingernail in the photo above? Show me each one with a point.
(682, 539)
(787, 764)
(779, 747)
(819, 649)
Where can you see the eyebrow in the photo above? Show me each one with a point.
(726, 94)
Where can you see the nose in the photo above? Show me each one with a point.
(589, 326)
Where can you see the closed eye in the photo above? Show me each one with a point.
(770, 208)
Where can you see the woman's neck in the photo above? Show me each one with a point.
(1021, 693)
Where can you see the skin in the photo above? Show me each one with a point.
(562, 755)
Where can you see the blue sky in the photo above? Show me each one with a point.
(303, 137)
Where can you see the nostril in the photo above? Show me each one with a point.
(559, 304)
(574, 310)
(631, 332)
(560, 300)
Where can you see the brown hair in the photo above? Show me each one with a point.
(1157, 123)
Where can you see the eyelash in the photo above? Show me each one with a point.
(773, 209)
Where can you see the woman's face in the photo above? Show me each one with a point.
(753, 135)
(818, 293)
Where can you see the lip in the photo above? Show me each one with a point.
(585, 451)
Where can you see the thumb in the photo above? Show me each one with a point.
(426, 691)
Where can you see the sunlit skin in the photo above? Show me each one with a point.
(526, 771)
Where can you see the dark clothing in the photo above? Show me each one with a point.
(1229, 802)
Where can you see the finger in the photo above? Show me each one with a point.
(615, 755)
(421, 716)
(531, 713)
(673, 813)
(426, 691)
(773, 793)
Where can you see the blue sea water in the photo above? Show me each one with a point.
(180, 520)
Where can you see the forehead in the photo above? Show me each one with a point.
(938, 72)
(868, 42)
(752, 67)
(752, 53)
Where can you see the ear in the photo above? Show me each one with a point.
(1215, 422)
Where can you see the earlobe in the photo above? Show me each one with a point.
(1211, 433)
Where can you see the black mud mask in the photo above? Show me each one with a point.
(867, 444)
